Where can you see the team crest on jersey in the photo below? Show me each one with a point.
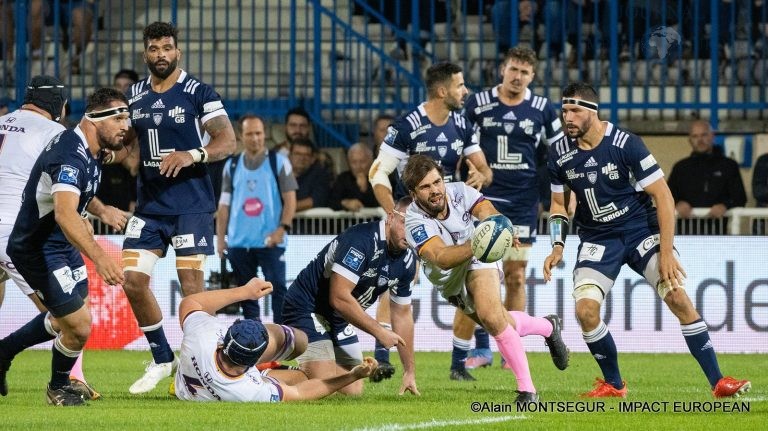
(527, 126)
(382, 281)
(354, 258)
(157, 118)
(509, 127)
(177, 113)
(442, 150)
(68, 175)
(592, 176)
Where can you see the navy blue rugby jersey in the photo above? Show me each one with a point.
(360, 255)
(509, 136)
(608, 180)
(413, 133)
(65, 165)
(167, 122)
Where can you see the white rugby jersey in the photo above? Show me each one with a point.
(198, 378)
(23, 135)
(456, 229)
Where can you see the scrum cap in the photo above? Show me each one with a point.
(48, 94)
(245, 341)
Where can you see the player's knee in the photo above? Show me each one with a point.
(354, 389)
(588, 313)
(494, 323)
(79, 334)
(140, 261)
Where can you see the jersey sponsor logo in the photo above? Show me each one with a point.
(489, 122)
(158, 104)
(155, 152)
(648, 162)
(590, 163)
(212, 106)
(68, 278)
(647, 244)
(420, 130)
(137, 97)
(391, 135)
(7, 128)
(68, 175)
(503, 155)
(133, 229)
(321, 324)
(527, 126)
(354, 258)
(566, 157)
(592, 176)
(572, 175)
(441, 138)
(591, 252)
(611, 170)
(457, 145)
(370, 273)
(481, 109)
(183, 241)
(348, 332)
(137, 115)
(177, 113)
(422, 147)
(253, 207)
(419, 234)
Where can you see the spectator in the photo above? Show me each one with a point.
(760, 190)
(706, 179)
(118, 181)
(314, 180)
(351, 190)
(4, 106)
(297, 126)
(77, 23)
(502, 20)
(256, 209)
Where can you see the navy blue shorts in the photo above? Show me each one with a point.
(59, 278)
(318, 328)
(524, 215)
(188, 234)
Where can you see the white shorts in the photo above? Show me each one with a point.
(5, 261)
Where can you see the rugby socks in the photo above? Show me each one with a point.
(381, 353)
(603, 349)
(512, 350)
(34, 332)
(482, 340)
(77, 369)
(526, 324)
(459, 353)
(62, 362)
(697, 338)
(161, 350)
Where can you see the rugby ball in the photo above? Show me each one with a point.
(492, 238)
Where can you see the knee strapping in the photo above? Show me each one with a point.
(142, 261)
(588, 291)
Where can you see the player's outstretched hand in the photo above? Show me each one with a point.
(389, 338)
(365, 369)
(475, 179)
(258, 288)
(109, 270)
(551, 261)
(172, 163)
(409, 384)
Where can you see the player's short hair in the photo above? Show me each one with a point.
(523, 55)
(102, 98)
(159, 30)
(440, 73)
(387, 117)
(417, 168)
(581, 90)
(126, 73)
(297, 111)
(245, 342)
(47, 93)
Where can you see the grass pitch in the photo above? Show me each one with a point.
(672, 378)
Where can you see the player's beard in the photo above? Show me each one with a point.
(110, 143)
(578, 132)
(162, 74)
(433, 209)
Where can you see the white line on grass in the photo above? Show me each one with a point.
(436, 423)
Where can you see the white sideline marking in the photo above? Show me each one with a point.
(435, 423)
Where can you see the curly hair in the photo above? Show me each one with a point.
(159, 30)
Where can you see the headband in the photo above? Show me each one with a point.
(592, 106)
(102, 115)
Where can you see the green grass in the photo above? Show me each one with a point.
(650, 378)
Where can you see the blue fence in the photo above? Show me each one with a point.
(656, 62)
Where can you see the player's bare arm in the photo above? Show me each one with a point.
(445, 256)
(223, 142)
(318, 388)
(557, 206)
(670, 268)
(65, 211)
(222, 221)
(402, 325)
(341, 300)
(212, 301)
